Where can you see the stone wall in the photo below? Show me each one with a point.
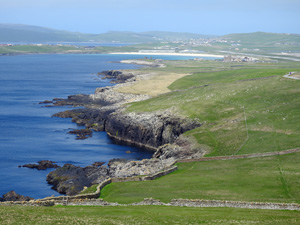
(190, 203)
(92, 197)
(234, 204)
(144, 178)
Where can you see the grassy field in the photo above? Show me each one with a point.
(244, 108)
(143, 215)
(266, 179)
(48, 49)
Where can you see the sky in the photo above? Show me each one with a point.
(216, 17)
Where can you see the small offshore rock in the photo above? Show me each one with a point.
(46, 102)
(42, 165)
(13, 196)
(98, 164)
(82, 133)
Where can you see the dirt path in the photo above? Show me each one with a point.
(255, 155)
(292, 75)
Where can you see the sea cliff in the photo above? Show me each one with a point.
(105, 110)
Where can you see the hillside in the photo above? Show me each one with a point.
(240, 114)
(263, 38)
(27, 33)
(221, 96)
(173, 36)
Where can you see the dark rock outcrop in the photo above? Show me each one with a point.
(116, 76)
(98, 164)
(75, 101)
(46, 102)
(93, 119)
(82, 133)
(71, 179)
(147, 129)
(42, 165)
(13, 196)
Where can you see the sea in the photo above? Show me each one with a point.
(29, 133)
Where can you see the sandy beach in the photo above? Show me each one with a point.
(171, 54)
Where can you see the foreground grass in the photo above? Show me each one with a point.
(143, 215)
(245, 109)
(267, 179)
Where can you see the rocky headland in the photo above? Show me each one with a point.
(105, 110)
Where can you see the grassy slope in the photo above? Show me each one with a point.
(263, 38)
(25, 49)
(143, 215)
(271, 105)
(272, 108)
(268, 179)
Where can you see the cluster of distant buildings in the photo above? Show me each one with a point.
(172, 50)
(230, 58)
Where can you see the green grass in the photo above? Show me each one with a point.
(25, 49)
(266, 179)
(90, 190)
(218, 99)
(143, 215)
(224, 77)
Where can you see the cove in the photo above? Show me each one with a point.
(28, 133)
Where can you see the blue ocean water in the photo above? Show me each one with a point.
(28, 133)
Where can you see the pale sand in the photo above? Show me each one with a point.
(155, 84)
(171, 54)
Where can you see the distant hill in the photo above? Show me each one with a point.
(263, 38)
(27, 33)
(177, 35)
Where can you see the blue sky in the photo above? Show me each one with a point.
(196, 16)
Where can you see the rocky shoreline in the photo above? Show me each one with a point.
(105, 110)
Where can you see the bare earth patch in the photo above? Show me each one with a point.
(154, 84)
(296, 75)
(270, 129)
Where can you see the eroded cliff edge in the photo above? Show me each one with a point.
(105, 110)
